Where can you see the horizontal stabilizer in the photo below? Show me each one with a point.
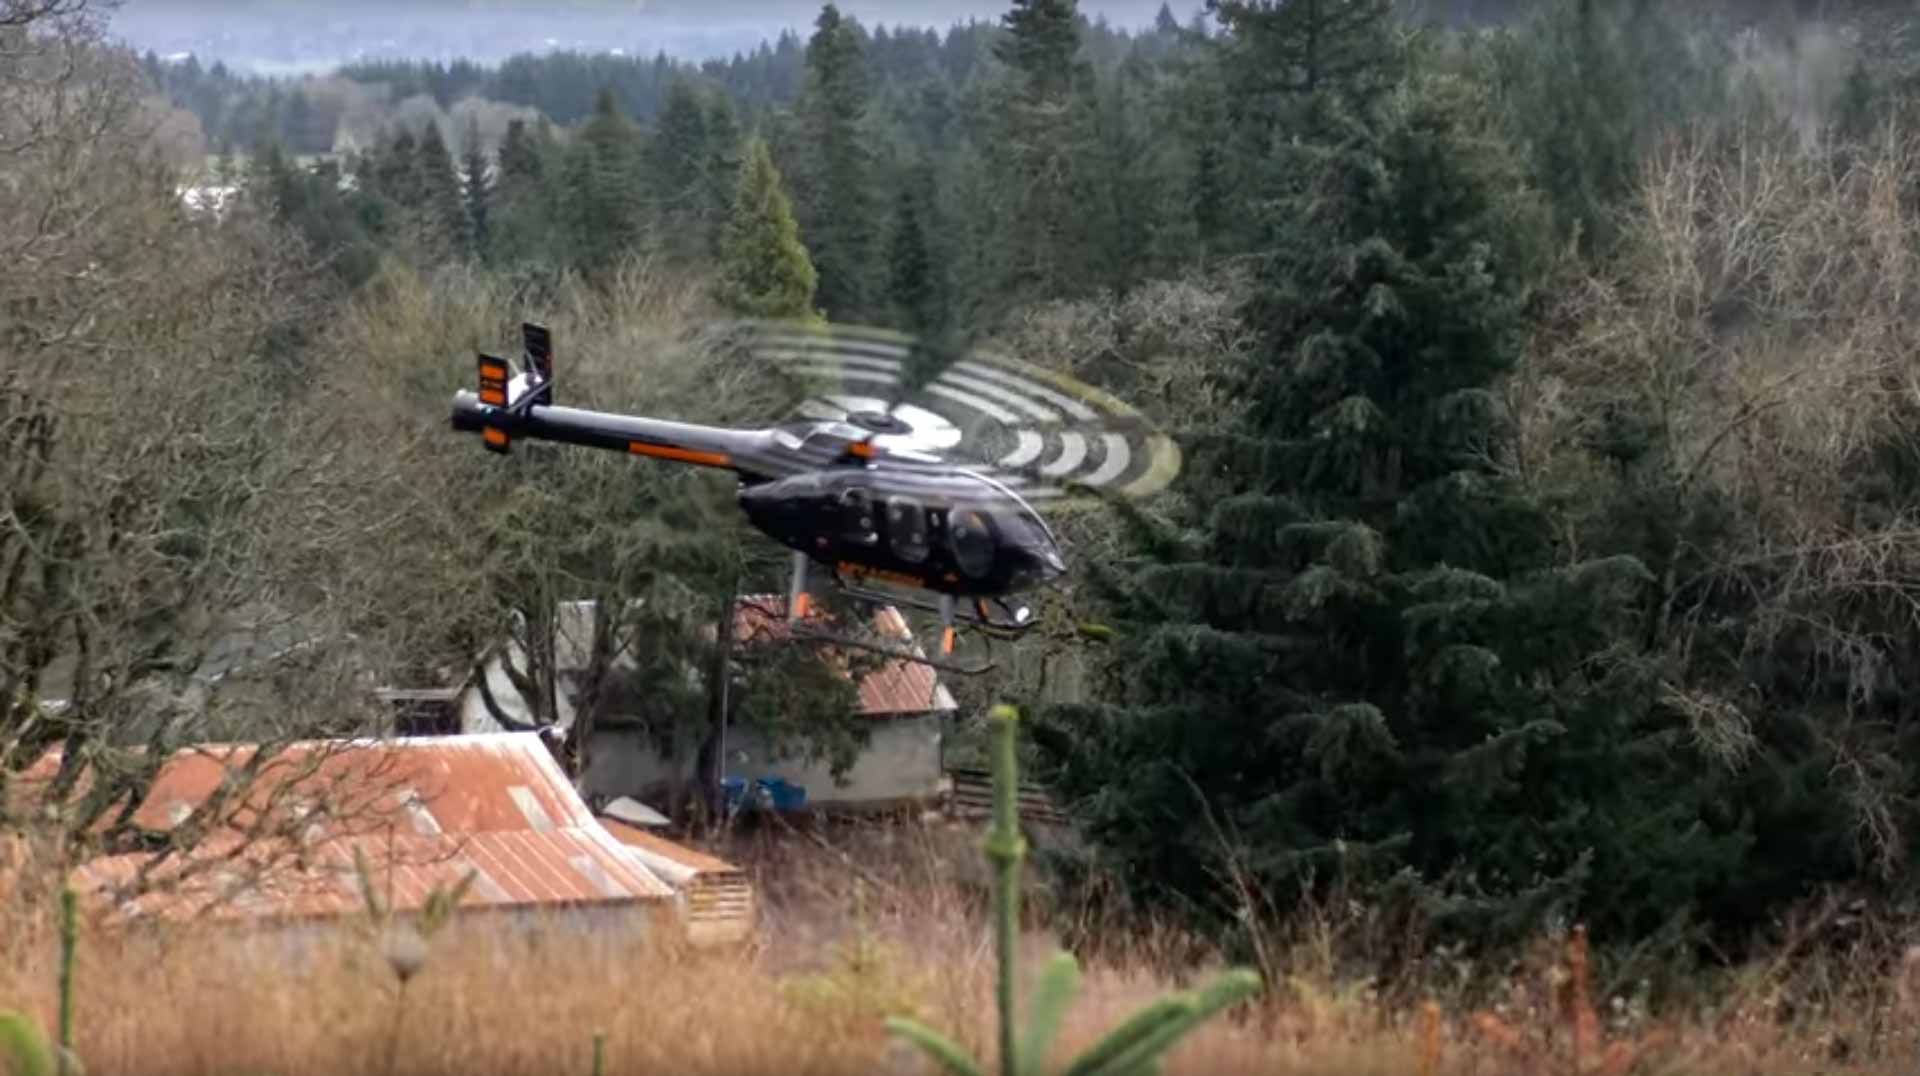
(538, 343)
(494, 373)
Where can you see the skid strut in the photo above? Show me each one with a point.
(799, 605)
(798, 600)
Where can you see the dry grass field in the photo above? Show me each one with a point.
(851, 931)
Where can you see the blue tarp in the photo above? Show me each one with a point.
(769, 793)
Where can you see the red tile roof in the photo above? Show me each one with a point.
(896, 687)
(422, 812)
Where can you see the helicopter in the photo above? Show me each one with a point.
(885, 493)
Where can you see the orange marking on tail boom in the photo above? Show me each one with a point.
(684, 455)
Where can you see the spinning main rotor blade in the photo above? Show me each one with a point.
(1043, 433)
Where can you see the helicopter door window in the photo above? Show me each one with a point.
(971, 537)
(857, 514)
(907, 529)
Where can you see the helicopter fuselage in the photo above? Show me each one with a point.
(949, 530)
(825, 490)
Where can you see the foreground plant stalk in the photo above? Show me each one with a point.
(1137, 1046)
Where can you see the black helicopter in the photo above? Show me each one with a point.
(872, 488)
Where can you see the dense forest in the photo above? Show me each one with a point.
(1547, 545)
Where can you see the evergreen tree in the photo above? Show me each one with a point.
(679, 160)
(396, 173)
(835, 196)
(913, 288)
(1855, 113)
(1302, 47)
(522, 223)
(519, 160)
(476, 187)
(443, 208)
(1589, 87)
(1042, 135)
(1164, 24)
(606, 206)
(722, 172)
(766, 272)
(1364, 658)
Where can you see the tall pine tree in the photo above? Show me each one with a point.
(605, 210)
(679, 158)
(443, 211)
(722, 171)
(476, 187)
(914, 285)
(835, 194)
(1043, 133)
(1362, 654)
(765, 272)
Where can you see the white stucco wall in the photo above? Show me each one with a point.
(901, 761)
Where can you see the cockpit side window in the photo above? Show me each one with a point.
(970, 535)
(856, 516)
(907, 529)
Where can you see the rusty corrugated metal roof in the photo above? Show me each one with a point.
(422, 811)
(696, 861)
(896, 687)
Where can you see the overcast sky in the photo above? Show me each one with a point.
(282, 36)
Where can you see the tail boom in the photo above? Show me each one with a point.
(680, 442)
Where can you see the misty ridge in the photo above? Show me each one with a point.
(273, 37)
(336, 78)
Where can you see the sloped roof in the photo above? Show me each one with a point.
(694, 862)
(422, 811)
(896, 687)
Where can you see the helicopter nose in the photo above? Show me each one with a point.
(1056, 565)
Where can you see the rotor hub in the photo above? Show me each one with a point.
(878, 422)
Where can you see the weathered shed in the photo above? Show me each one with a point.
(904, 702)
(716, 897)
(419, 812)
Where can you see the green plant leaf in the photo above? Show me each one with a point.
(1198, 1007)
(1051, 996)
(442, 902)
(365, 874)
(937, 1046)
(24, 1046)
(1136, 1028)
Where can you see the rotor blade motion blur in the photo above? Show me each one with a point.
(1040, 432)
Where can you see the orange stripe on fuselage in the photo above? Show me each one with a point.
(684, 455)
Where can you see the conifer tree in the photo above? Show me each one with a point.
(1042, 135)
(522, 221)
(606, 208)
(397, 171)
(1302, 47)
(679, 159)
(1362, 655)
(722, 172)
(476, 187)
(519, 160)
(1589, 87)
(913, 288)
(835, 193)
(765, 272)
(443, 207)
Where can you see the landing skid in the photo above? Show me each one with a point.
(798, 606)
(1010, 628)
(804, 631)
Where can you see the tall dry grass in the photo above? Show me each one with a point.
(498, 995)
